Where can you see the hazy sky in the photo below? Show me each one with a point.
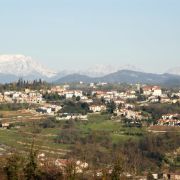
(79, 33)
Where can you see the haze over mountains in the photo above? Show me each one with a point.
(12, 67)
(175, 71)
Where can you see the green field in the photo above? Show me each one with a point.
(22, 137)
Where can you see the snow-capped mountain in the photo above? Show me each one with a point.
(175, 71)
(99, 70)
(102, 70)
(23, 66)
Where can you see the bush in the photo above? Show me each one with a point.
(68, 136)
(13, 106)
(75, 107)
(48, 123)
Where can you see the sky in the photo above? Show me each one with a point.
(77, 34)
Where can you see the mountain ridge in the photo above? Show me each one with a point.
(124, 76)
(13, 67)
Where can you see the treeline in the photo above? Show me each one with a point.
(14, 106)
(53, 97)
(24, 84)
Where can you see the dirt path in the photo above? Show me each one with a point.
(46, 149)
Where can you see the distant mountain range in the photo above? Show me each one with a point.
(99, 70)
(12, 67)
(125, 76)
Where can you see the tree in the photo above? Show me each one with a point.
(118, 167)
(13, 168)
(111, 106)
(70, 170)
(48, 123)
(141, 97)
(31, 170)
(103, 100)
(78, 98)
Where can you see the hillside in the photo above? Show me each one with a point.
(125, 76)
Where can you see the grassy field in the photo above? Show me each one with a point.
(28, 130)
(22, 137)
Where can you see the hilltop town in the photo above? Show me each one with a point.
(128, 103)
(56, 118)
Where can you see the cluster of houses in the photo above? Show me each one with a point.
(28, 96)
(152, 94)
(64, 91)
(97, 101)
(109, 95)
(67, 116)
(49, 109)
(130, 114)
(97, 108)
(152, 90)
(169, 120)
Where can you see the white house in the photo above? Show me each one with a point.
(97, 108)
(152, 90)
(157, 91)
